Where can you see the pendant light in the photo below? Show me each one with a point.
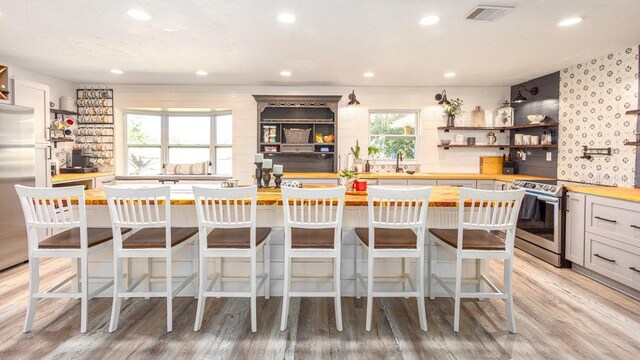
(520, 98)
(442, 98)
(352, 99)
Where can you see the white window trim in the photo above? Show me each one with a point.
(164, 136)
(417, 135)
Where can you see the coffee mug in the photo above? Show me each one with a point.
(231, 183)
(535, 140)
(518, 139)
(459, 139)
(526, 140)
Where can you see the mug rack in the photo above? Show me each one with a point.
(95, 131)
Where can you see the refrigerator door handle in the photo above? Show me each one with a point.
(49, 154)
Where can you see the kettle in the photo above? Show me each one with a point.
(491, 138)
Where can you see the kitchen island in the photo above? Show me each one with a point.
(443, 213)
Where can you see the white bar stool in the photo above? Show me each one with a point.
(51, 208)
(489, 210)
(226, 228)
(396, 230)
(312, 229)
(140, 208)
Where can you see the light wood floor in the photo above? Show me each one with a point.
(560, 315)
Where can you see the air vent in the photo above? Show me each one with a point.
(488, 13)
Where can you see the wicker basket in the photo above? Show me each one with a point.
(296, 136)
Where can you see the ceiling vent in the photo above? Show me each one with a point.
(488, 12)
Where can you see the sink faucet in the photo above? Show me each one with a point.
(398, 159)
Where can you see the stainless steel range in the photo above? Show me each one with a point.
(540, 222)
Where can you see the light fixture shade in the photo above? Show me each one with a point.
(520, 98)
(442, 98)
(352, 99)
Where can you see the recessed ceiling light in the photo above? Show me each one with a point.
(286, 18)
(570, 21)
(368, 74)
(117, 71)
(449, 74)
(285, 73)
(138, 14)
(170, 29)
(430, 20)
(202, 73)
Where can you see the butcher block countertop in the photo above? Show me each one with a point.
(622, 193)
(441, 196)
(421, 176)
(75, 177)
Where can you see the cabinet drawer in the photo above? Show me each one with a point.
(392, 182)
(421, 182)
(614, 259)
(617, 219)
(105, 180)
(458, 183)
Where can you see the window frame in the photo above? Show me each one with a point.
(164, 145)
(416, 135)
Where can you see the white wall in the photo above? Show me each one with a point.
(352, 122)
(57, 87)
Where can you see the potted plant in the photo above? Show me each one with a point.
(372, 151)
(357, 162)
(451, 109)
(347, 178)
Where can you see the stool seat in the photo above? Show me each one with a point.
(70, 239)
(471, 239)
(389, 238)
(150, 238)
(303, 238)
(238, 238)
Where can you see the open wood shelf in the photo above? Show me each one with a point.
(446, 147)
(501, 129)
(633, 112)
(632, 143)
(63, 112)
(298, 152)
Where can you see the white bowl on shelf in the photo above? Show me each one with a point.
(536, 119)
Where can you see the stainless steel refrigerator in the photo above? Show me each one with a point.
(17, 166)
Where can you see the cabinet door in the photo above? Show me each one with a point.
(36, 96)
(486, 184)
(392, 182)
(501, 185)
(459, 183)
(421, 182)
(575, 227)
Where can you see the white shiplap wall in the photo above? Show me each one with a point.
(352, 121)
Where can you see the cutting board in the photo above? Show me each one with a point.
(490, 164)
(478, 117)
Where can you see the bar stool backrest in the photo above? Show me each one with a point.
(313, 208)
(226, 207)
(51, 208)
(398, 208)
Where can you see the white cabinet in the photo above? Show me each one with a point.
(36, 96)
(313, 181)
(574, 227)
(501, 185)
(101, 181)
(392, 182)
(421, 182)
(458, 183)
(486, 184)
(615, 219)
(613, 259)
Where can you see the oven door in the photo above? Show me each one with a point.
(539, 222)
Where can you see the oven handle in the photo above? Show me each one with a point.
(547, 199)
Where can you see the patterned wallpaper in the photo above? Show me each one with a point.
(594, 97)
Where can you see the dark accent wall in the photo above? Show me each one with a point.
(545, 102)
(637, 182)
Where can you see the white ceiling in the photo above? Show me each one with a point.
(333, 42)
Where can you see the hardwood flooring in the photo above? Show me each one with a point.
(560, 315)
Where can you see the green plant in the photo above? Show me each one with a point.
(373, 151)
(348, 174)
(454, 107)
(138, 164)
(356, 150)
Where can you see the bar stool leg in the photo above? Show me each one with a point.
(338, 298)
(217, 263)
(369, 290)
(458, 289)
(202, 282)
(285, 293)
(254, 326)
(358, 253)
(432, 264)
(169, 294)
(405, 272)
(84, 296)
(266, 258)
(117, 288)
(511, 317)
(34, 287)
(420, 300)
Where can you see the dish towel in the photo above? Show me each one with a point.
(529, 209)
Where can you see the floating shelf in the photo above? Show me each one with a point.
(632, 143)
(63, 112)
(633, 112)
(62, 139)
(501, 147)
(298, 121)
(298, 152)
(501, 129)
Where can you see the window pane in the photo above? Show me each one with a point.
(188, 155)
(224, 130)
(390, 146)
(189, 130)
(144, 161)
(143, 129)
(224, 162)
(393, 123)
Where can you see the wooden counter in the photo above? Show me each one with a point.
(421, 176)
(62, 178)
(622, 193)
(441, 196)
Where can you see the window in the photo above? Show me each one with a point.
(394, 131)
(153, 139)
